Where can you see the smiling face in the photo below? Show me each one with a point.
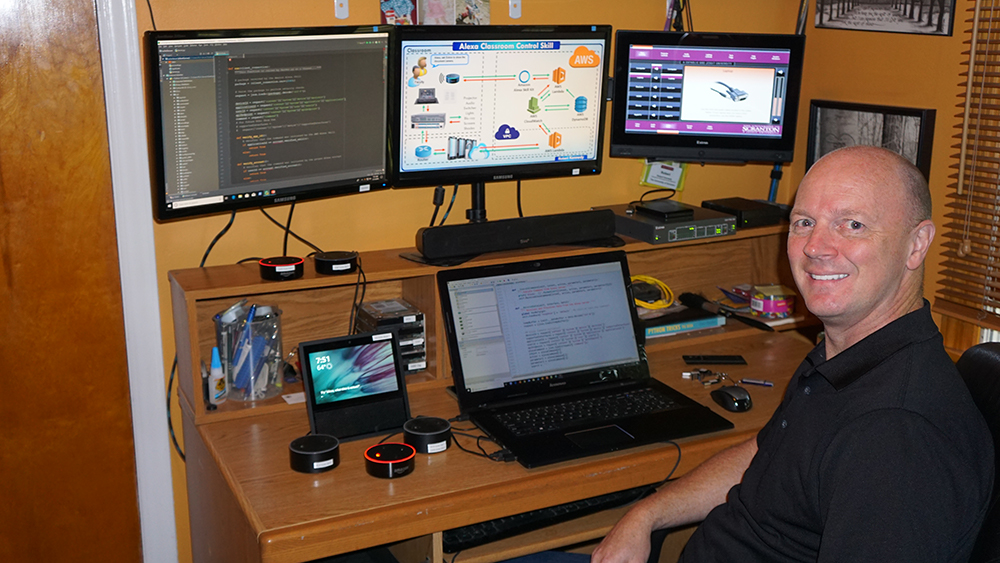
(855, 245)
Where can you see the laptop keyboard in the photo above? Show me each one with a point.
(622, 404)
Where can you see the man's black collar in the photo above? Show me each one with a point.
(846, 367)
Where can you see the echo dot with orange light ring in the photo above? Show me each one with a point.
(390, 460)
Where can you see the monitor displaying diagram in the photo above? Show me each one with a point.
(494, 102)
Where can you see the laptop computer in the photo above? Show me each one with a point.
(354, 385)
(534, 336)
(426, 96)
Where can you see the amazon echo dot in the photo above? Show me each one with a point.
(314, 453)
(427, 434)
(336, 263)
(389, 460)
(280, 268)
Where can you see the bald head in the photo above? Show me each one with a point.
(884, 168)
(857, 242)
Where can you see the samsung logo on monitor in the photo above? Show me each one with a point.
(504, 177)
(284, 199)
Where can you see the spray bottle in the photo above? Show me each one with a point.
(217, 388)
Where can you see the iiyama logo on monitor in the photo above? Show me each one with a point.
(503, 177)
(701, 142)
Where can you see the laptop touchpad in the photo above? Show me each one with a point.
(600, 438)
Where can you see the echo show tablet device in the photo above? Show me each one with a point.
(354, 385)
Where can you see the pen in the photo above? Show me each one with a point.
(244, 347)
(762, 382)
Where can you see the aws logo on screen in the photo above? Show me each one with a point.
(583, 57)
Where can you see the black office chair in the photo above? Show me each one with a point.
(980, 368)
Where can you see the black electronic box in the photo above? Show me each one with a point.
(749, 213)
(403, 319)
(703, 223)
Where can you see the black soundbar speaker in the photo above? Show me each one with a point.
(468, 239)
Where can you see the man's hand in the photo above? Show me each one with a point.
(628, 541)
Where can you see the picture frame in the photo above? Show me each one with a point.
(922, 17)
(906, 131)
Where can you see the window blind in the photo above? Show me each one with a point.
(970, 285)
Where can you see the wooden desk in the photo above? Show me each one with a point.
(248, 505)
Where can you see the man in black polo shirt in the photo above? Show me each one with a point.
(877, 452)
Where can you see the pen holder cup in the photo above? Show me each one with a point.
(254, 370)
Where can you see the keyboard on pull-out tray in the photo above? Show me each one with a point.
(608, 407)
(466, 537)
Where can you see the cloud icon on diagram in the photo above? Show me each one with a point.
(583, 57)
(479, 152)
(506, 132)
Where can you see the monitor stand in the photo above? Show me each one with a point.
(450, 245)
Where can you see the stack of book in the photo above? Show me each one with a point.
(677, 319)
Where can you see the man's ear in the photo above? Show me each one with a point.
(920, 242)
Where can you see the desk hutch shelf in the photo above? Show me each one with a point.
(317, 306)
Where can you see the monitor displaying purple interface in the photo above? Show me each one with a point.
(686, 90)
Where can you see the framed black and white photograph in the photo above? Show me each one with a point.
(906, 131)
(924, 17)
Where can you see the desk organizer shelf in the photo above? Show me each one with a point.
(317, 306)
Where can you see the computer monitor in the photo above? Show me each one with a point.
(706, 97)
(254, 117)
(476, 104)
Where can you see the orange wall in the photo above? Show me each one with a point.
(892, 69)
(863, 67)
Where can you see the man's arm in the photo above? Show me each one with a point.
(683, 501)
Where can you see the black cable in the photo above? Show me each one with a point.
(438, 201)
(672, 191)
(387, 437)
(682, 16)
(288, 227)
(464, 449)
(642, 198)
(211, 245)
(250, 259)
(151, 18)
(297, 237)
(519, 212)
(479, 444)
(170, 423)
(448, 211)
(173, 368)
(676, 465)
(495, 456)
(356, 304)
(453, 557)
(677, 18)
(772, 194)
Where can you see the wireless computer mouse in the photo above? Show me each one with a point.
(733, 398)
